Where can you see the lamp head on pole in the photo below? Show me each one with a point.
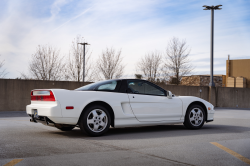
(84, 43)
(217, 7)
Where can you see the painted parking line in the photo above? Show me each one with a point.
(13, 162)
(242, 158)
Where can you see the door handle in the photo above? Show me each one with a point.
(133, 97)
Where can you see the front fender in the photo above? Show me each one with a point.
(188, 100)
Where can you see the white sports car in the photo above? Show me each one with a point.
(119, 103)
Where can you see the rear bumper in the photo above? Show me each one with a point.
(46, 111)
(46, 121)
(49, 109)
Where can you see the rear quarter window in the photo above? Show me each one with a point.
(108, 86)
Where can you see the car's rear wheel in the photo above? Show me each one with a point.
(195, 117)
(95, 120)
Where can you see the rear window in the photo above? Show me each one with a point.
(108, 85)
(87, 87)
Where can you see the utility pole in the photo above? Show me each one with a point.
(212, 8)
(83, 72)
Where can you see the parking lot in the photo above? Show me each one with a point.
(225, 141)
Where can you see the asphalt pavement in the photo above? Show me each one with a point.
(225, 141)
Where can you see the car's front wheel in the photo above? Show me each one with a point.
(195, 117)
(95, 120)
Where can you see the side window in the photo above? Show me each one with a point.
(149, 89)
(136, 86)
(142, 87)
(107, 86)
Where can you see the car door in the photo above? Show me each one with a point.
(150, 103)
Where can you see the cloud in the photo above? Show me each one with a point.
(56, 8)
(137, 27)
(71, 19)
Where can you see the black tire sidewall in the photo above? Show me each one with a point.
(187, 122)
(83, 122)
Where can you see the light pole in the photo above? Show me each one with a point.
(212, 8)
(83, 72)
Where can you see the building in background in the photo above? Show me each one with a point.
(238, 73)
(203, 80)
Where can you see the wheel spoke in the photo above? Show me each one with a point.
(102, 115)
(199, 112)
(196, 122)
(94, 113)
(200, 118)
(90, 121)
(192, 119)
(193, 111)
(102, 124)
(96, 127)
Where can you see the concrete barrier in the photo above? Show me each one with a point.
(218, 96)
(15, 93)
(233, 97)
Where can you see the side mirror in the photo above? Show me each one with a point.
(169, 94)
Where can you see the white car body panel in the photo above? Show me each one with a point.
(187, 100)
(142, 110)
(148, 108)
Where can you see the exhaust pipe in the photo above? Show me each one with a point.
(48, 122)
(33, 120)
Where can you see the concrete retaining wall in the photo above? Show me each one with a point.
(233, 97)
(15, 94)
(220, 96)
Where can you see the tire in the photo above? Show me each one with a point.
(195, 117)
(95, 120)
(65, 128)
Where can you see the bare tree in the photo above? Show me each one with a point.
(151, 67)
(177, 60)
(46, 64)
(138, 76)
(74, 63)
(110, 64)
(3, 71)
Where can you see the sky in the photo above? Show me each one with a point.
(136, 27)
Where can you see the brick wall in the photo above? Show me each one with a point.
(201, 80)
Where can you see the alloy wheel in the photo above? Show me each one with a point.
(97, 120)
(196, 117)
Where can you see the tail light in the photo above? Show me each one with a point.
(42, 95)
